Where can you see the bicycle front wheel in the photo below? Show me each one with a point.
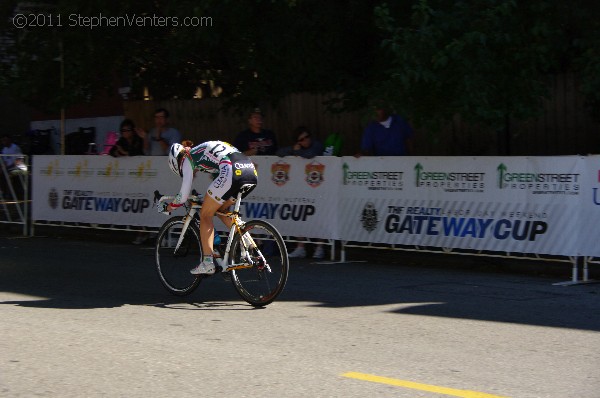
(262, 282)
(174, 264)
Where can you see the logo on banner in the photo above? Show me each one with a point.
(52, 169)
(280, 173)
(53, 198)
(449, 181)
(373, 180)
(144, 170)
(111, 170)
(539, 183)
(314, 174)
(595, 196)
(81, 169)
(369, 217)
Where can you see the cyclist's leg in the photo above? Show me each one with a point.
(207, 227)
(226, 220)
(216, 198)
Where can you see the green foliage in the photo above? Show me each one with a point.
(487, 60)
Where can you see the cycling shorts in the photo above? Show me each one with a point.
(233, 174)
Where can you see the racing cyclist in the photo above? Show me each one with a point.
(230, 170)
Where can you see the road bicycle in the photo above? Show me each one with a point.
(254, 252)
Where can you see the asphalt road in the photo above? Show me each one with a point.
(85, 318)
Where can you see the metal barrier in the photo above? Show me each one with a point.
(573, 260)
(14, 190)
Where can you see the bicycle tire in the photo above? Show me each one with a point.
(257, 285)
(174, 267)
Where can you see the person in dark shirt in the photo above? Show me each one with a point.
(130, 143)
(255, 140)
(387, 135)
(305, 145)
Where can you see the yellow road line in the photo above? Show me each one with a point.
(419, 386)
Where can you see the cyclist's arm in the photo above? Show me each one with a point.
(186, 185)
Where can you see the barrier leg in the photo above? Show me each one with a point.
(575, 273)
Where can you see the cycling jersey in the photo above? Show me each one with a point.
(229, 167)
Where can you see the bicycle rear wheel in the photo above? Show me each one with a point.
(261, 283)
(174, 266)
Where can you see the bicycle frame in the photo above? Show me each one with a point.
(194, 207)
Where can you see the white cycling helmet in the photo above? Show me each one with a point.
(175, 154)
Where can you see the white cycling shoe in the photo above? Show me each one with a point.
(203, 269)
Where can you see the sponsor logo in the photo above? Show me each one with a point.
(81, 169)
(52, 169)
(314, 174)
(449, 181)
(53, 198)
(143, 171)
(280, 173)
(111, 170)
(595, 195)
(368, 217)
(434, 221)
(90, 201)
(373, 180)
(538, 183)
(218, 183)
(239, 165)
(295, 212)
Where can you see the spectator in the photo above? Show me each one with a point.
(387, 135)
(160, 138)
(10, 148)
(130, 143)
(255, 140)
(157, 143)
(306, 147)
(14, 165)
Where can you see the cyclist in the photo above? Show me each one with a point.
(230, 170)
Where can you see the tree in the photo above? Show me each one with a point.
(488, 61)
(254, 51)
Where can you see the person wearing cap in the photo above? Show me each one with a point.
(255, 140)
(387, 135)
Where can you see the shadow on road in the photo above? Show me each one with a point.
(57, 273)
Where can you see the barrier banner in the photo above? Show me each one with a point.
(295, 194)
(299, 196)
(509, 204)
(543, 205)
(590, 212)
(100, 189)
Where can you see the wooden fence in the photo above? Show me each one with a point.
(565, 128)
(201, 120)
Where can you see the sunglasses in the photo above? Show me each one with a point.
(303, 138)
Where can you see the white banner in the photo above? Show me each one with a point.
(590, 212)
(514, 204)
(544, 205)
(299, 196)
(100, 189)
